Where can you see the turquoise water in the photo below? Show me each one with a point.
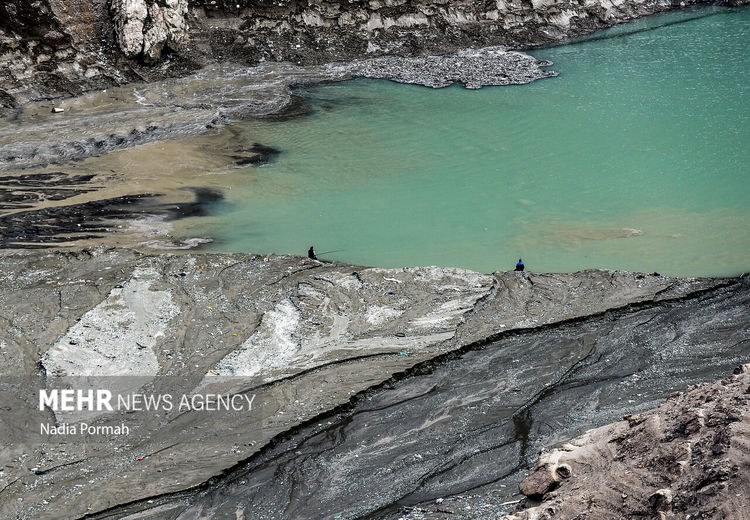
(636, 157)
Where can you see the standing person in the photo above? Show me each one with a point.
(311, 253)
(519, 265)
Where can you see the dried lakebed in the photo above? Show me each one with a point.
(375, 388)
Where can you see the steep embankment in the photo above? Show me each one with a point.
(689, 458)
(53, 48)
(445, 378)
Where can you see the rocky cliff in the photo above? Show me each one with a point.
(54, 48)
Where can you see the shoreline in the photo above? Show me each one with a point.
(184, 110)
(76, 208)
(261, 91)
(54, 45)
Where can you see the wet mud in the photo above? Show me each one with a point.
(24, 191)
(95, 219)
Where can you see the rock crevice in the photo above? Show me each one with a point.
(148, 28)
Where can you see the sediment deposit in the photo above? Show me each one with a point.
(461, 376)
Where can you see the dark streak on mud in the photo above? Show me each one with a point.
(48, 227)
(201, 206)
(297, 107)
(23, 191)
(53, 225)
(256, 155)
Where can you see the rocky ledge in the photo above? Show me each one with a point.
(473, 68)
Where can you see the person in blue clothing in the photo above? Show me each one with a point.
(519, 265)
(311, 253)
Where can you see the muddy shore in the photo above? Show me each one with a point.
(191, 106)
(68, 177)
(80, 176)
(338, 357)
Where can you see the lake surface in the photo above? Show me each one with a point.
(636, 157)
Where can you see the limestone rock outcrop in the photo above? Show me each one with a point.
(129, 16)
(50, 48)
(145, 29)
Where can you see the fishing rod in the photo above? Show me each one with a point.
(329, 252)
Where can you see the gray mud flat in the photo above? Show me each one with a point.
(479, 420)
(375, 388)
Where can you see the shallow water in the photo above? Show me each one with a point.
(635, 157)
